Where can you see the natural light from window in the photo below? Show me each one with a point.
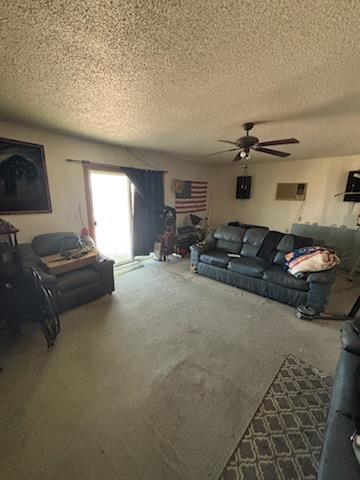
(112, 214)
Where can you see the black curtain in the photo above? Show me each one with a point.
(148, 203)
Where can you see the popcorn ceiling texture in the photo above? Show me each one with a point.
(175, 76)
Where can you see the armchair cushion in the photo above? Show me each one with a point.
(77, 278)
(51, 243)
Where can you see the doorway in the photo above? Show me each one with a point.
(110, 212)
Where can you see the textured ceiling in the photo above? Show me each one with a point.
(175, 76)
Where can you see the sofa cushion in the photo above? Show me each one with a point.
(77, 278)
(276, 274)
(253, 239)
(51, 243)
(215, 257)
(229, 238)
(253, 267)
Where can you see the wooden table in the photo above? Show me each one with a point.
(56, 264)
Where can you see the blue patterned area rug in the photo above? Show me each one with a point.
(284, 438)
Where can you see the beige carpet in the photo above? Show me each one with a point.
(157, 382)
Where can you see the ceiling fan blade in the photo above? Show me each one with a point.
(227, 141)
(286, 141)
(218, 153)
(272, 152)
(237, 157)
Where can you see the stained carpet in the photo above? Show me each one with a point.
(284, 438)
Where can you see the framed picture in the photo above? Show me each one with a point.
(23, 179)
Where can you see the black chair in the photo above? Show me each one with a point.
(47, 312)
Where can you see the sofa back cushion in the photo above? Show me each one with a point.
(51, 243)
(252, 241)
(289, 243)
(286, 245)
(229, 239)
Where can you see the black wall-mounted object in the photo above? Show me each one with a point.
(353, 185)
(243, 187)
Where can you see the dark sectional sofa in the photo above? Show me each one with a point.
(260, 270)
(338, 461)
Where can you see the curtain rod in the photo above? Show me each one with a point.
(87, 162)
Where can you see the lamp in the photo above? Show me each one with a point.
(8, 229)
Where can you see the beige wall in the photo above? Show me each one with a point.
(325, 177)
(66, 179)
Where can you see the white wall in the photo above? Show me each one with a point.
(325, 177)
(66, 179)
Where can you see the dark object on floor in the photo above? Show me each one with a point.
(72, 288)
(186, 236)
(338, 461)
(266, 277)
(308, 313)
(284, 438)
(165, 246)
(11, 282)
(47, 313)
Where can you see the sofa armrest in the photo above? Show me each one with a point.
(350, 339)
(197, 250)
(326, 276)
(319, 288)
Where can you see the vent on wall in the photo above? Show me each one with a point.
(291, 191)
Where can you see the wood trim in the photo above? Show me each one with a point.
(105, 167)
(88, 198)
(116, 168)
(87, 168)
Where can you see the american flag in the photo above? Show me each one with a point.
(190, 197)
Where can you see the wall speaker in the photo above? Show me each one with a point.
(243, 187)
(353, 187)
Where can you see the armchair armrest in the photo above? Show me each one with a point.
(105, 268)
(49, 280)
(29, 259)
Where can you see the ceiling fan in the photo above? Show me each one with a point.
(248, 142)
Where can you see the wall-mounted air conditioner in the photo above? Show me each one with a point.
(291, 191)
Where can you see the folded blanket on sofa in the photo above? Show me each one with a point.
(310, 259)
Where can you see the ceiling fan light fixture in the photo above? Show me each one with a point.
(248, 142)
